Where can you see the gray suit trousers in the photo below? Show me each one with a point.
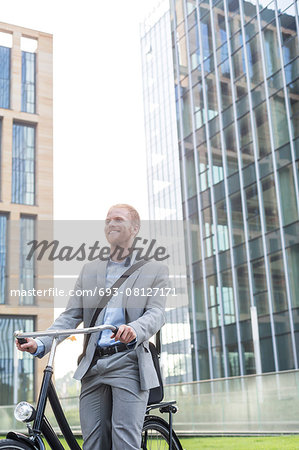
(112, 405)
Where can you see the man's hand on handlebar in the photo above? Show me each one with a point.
(30, 346)
(124, 334)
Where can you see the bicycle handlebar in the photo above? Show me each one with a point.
(57, 333)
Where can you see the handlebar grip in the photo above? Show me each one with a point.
(115, 331)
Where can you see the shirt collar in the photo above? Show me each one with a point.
(128, 262)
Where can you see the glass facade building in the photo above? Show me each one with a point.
(26, 199)
(163, 176)
(236, 80)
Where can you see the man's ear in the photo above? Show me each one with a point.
(136, 229)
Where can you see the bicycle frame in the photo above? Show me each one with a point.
(48, 392)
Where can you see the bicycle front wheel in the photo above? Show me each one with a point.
(11, 444)
(155, 435)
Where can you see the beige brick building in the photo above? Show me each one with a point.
(26, 176)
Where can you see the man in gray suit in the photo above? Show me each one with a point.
(116, 372)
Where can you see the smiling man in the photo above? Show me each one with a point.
(116, 371)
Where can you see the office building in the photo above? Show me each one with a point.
(26, 197)
(235, 66)
(236, 80)
(163, 177)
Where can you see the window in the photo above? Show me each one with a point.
(209, 238)
(253, 212)
(293, 273)
(19, 386)
(237, 218)
(228, 298)
(288, 195)
(4, 77)
(222, 227)
(270, 203)
(195, 238)
(279, 119)
(23, 164)
(262, 130)
(28, 82)
(243, 292)
(27, 234)
(271, 51)
(3, 256)
(278, 282)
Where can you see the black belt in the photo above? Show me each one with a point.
(108, 351)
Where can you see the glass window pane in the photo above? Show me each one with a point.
(213, 302)
(222, 227)
(186, 115)
(231, 148)
(278, 282)
(279, 119)
(4, 77)
(287, 195)
(27, 266)
(25, 363)
(248, 357)
(293, 273)
(262, 130)
(217, 159)
(271, 50)
(212, 98)
(253, 212)
(3, 257)
(23, 164)
(267, 356)
(270, 203)
(255, 60)
(190, 175)
(205, 27)
(284, 352)
(228, 298)
(243, 292)
(28, 81)
(237, 218)
(195, 238)
(245, 138)
(238, 61)
(200, 305)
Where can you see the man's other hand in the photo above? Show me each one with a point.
(125, 334)
(30, 346)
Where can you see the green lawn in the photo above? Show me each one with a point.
(234, 443)
(242, 443)
(238, 443)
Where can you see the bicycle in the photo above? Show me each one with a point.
(156, 433)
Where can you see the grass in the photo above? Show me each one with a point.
(242, 443)
(232, 443)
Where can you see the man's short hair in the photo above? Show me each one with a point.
(135, 218)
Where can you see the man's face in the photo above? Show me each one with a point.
(119, 229)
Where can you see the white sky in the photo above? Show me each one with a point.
(99, 148)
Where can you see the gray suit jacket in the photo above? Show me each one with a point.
(143, 312)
